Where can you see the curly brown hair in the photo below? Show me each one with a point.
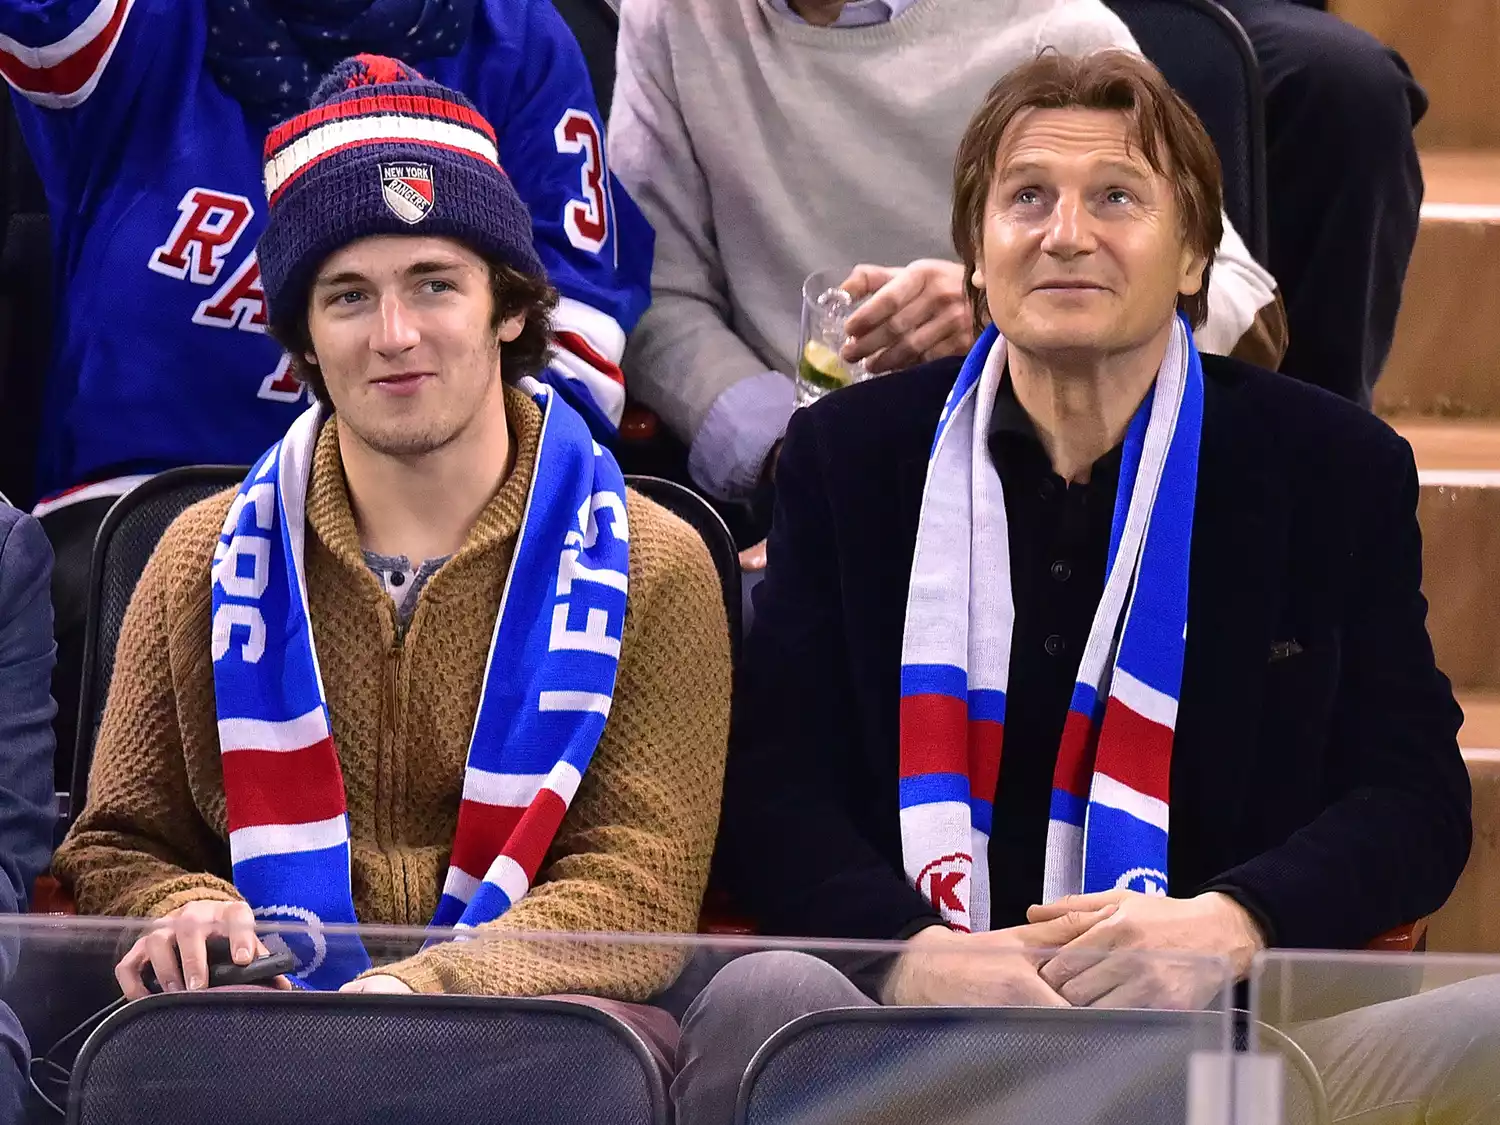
(511, 292)
(1169, 135)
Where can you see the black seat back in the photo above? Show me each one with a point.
(596, 26)
(25, 310)
(1207, 57)
(697, 512)
(127, 537)
(243, 1058)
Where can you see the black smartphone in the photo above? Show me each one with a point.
(223, 971)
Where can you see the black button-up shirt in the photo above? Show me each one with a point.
(1059, 544)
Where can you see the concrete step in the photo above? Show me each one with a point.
(1453, 48)
(1470, 920)
(1445, 360)
(1458, 464)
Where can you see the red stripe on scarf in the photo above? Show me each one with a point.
(282, 786)
(482, 832)
(534, 835)
(1075, 756)
(986, 737)
(934, 735)
(1135, 751)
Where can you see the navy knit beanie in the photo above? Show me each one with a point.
(383, 150)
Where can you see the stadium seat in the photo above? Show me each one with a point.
(245, 1058)
(126, 539)
(25, 310)
(138, 520)
(1206, 56)
(596, 26)
(1037, 1066)
(688, 506)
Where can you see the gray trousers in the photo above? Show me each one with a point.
(1430, 1059)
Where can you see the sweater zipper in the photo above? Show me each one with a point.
(387, 779)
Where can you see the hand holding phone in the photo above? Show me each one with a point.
(202, 944)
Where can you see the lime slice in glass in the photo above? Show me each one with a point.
(822, 367)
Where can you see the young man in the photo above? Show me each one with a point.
(146, 120)
(497, 679)
(1095, 621)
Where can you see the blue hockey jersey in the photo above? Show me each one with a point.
(153, 181)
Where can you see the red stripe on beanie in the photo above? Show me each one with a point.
(408, 105)
(365, 143)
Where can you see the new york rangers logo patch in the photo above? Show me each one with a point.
(407, 189)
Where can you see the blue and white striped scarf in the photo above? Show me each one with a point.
(1109, 814)
(549, 680)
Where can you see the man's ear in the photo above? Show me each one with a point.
(509, 328)
(1190, 277)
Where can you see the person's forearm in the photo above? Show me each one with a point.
(683, 357)
(111, 875)
(492, 961)
(731, 452)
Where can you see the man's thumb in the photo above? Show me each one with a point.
(864, 280)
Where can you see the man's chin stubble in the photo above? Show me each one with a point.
(407, 445)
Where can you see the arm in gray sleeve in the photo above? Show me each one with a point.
(683, 360)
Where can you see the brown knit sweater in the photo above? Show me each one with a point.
(632, 854)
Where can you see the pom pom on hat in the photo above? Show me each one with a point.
(363, 70)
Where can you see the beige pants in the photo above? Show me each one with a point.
(1431, 1059)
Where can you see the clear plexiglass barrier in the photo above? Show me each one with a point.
(364, 1025)
(1392, 1038)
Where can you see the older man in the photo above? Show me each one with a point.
(1096, 642)
(762, 147)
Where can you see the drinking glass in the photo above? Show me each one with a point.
(825, 310)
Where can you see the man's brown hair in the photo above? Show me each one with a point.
(511, 292)
(1164, 128)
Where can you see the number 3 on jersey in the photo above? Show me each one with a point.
(586, 220)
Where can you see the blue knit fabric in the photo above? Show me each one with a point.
(269, 54)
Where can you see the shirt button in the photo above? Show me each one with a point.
(1061, 571)
(1048, 489)
(1054, 645)
(397, 578)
